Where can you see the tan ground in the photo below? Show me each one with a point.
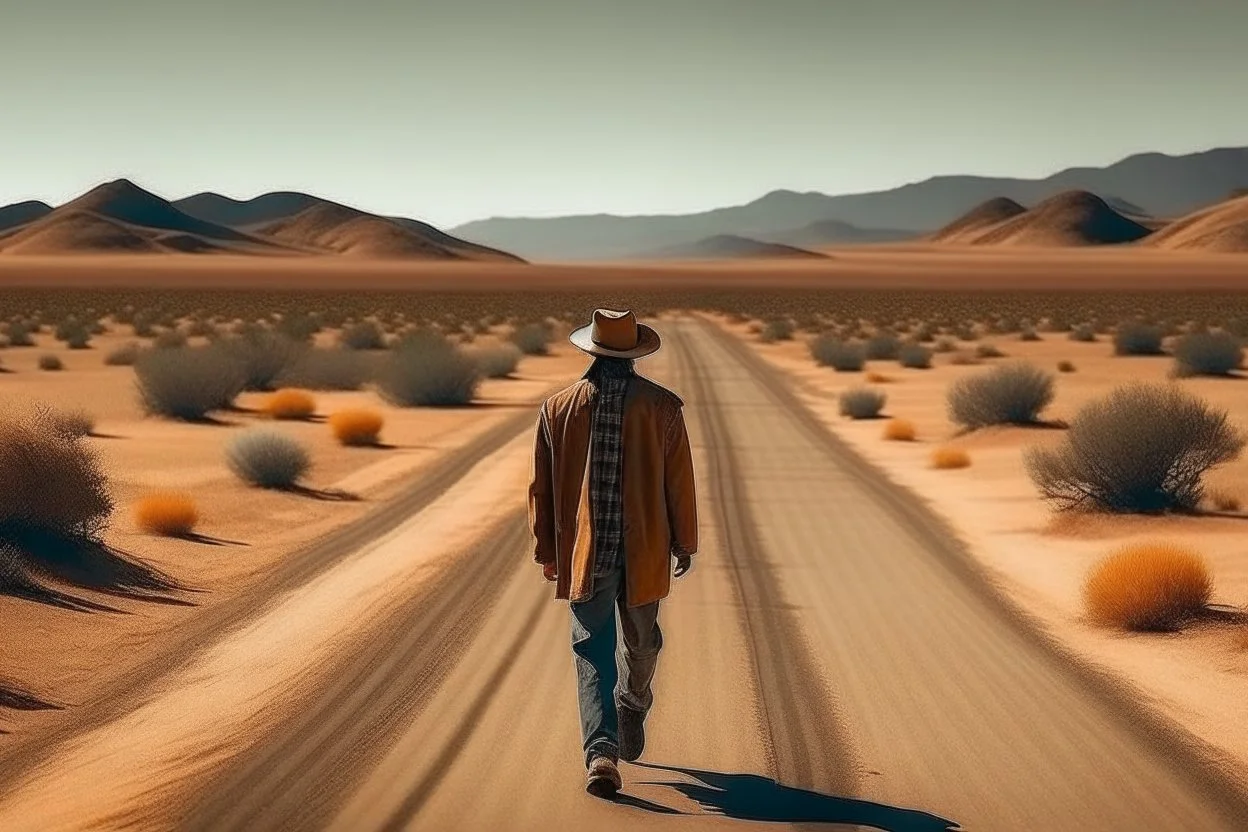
(829, 638)
(916, 265)
(1197, 677)
(59, 654)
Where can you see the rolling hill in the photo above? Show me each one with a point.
(1159, 184)
(979, 219)
(1072, 218)
(729, 246)
(20, 213)
(1221, 228)
(835, 233)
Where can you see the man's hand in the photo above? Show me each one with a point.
(683, 564)
(550, 571)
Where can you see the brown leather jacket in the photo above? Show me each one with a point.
(660, 512)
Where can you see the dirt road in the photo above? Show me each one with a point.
(832, 658)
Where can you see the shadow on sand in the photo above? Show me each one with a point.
(19, 700)
(755, 798)
(29, 558)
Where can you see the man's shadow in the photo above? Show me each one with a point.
(756, 798)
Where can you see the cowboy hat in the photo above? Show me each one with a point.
(615, 335)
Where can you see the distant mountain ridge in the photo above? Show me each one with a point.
(1160, 185)
(729, 246)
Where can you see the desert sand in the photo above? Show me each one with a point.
(1195, 677)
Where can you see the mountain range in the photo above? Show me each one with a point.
(1144, 186)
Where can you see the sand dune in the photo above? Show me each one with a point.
(731, 246)
(1222, 228)
(983, 216)
(1073, 218)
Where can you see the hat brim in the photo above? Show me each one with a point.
(647, 342)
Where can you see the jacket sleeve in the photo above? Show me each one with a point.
(682, 507)
(541, 496)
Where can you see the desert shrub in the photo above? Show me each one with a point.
(900, 430)
(1028, 333)
(51, 362)
(1065, 367)
(262, 356)
(357, 426)
(167, 513)
(777, 329)
(1012, 394)
(883, 346)
(427, 369)
(948, 457)
(267, 458)
(842, 356)
(201, 328)
(862, 403)
(532, 338)
(1237, 327)
(337, 368)
(924, 333)
(988, 350)
(290, 403)
(1147, 586)
(299, 327)
(363, 335)
(915, 356)
(1142, 448)
(124, 355)
(1083, 332)
(76, 423)
(965, 332)
(964, 358)
(1138, 338)
(20, 333)
(143, 324)
(945, 344)
(498, 361)
(878, 378)
(50, 481)
(188, 382)
(1207, 354)
(169, 339)
(75, 333)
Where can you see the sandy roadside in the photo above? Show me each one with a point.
(223, 702)
(1196, 677)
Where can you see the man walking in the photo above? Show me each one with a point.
(611, 504)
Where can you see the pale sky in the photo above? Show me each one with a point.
(454, 110)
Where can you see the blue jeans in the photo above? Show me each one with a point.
(606, 672)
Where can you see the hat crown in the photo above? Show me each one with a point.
(614, 330)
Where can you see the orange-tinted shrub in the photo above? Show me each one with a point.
(878, 378)
(900, 430)
(171, 514)
(290, 403)
(947, 457)
(357, 426)
(1149, 586)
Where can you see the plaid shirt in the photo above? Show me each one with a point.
(605, 460)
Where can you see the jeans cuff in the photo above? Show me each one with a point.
(602, 748)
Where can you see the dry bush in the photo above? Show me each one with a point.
(1138, 338)
(51, 362)
(1207, 354)
(948, 457)
(988, 350)
(883, 346)
(262, 356)
(1012, 394)
(76, 423)
(290, 403)
(188, 382)
(1028, 333)
(338, 368)
(75, 333)
(20, 333)
(900, 430)
(1147, 586)
(363, 335)
(862, 403)
(1065, 366)
(357, 426)
(532, 339)
(1084, 332)
(50, 481)
(497, 361)
(1142, 448)
(945, 344)
(267, 458)
(299, 327)
(167, 513)
(914, 356)
(842, 356)
(964, 358)
(427, 369)
(169, 339)
(778, 329)
(124, 355)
